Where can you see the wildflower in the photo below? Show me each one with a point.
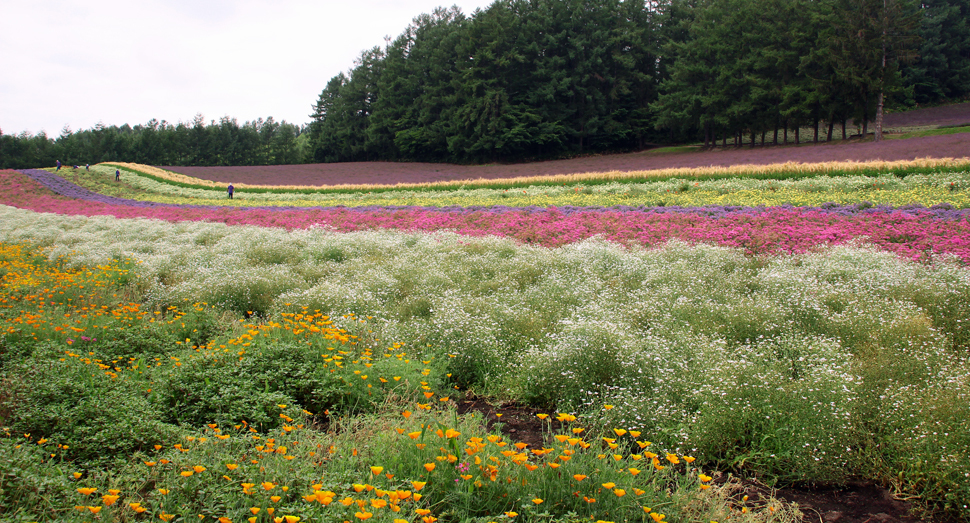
(418, 485)
(511, 514)
(579, 477)
(77, 475)
(109, 499)
(87, 491)
(275, 499)
(376, 470)
(619, 432)
(232, 466)
(537, 501)
(619, 492)
(267, 485)
(166, 517)
(657, 517)
(429, 466)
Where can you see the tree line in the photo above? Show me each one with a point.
(528, 79)
(531, 79)
(223, 142)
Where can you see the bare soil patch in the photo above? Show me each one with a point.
(945, 115)
(948, 146)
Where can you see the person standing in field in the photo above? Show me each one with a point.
(117, 175)
(231, 189)
(58, 165)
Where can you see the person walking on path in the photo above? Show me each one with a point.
(231, 189)
(58, 165)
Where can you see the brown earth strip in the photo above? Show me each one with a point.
(947, 146)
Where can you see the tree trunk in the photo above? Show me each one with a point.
(843, 128)
(798, 135)
(763, 133)
(831, 128)
(786, 132)
(878, 136)
(753, 137)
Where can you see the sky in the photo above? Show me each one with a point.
(75, 63)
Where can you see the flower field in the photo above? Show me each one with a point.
(298, 355)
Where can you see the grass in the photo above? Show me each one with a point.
(931, 132)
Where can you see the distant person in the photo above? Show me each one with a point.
(58, 165)
(117, 175)
(87, 167)
(75, 167)
(231, 189)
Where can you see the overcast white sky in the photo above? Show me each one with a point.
(78, 62)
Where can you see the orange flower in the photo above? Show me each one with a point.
(418, 485)
(579, 477)
(199, 469)
(429, 466)
(166, 517)
(87, 491)
(376, 470)
(232, 466)
(95, 510)
(363, 515)
(108, 499)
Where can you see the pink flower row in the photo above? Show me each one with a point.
(772, 230)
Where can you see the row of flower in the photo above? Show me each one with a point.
(914, 232)
(885, 189)
(773, 171)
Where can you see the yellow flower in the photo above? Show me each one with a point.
(186, 473)
(634, 471)
(95, 510)
(607, 407)
(609, 485)
(166, 517)
(291, 519)
(619, 492)
(619, 432)
(418, 485)
(275, 499)
(376, 470)
(199, 469)
(87, 491)
(255, 510)
(363, 515)
(511, 514)
(267, 485)
(673, 458)
(657, 517)
(108, 499)
(537, 501)
(232, 466)
(422, 511)
(579, 477)
(429, 466)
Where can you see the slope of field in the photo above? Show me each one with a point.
(948, 146)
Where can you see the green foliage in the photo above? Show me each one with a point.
(99, 418)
